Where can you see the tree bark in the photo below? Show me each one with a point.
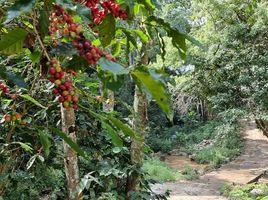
(108, 105)
(139, 125)
(70, 156)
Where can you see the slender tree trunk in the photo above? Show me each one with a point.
(70, 156)
(139, 125)
(108, 105)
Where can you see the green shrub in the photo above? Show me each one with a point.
(243, 192)
(232, 115)
(204, 131)
(228, 144)
(164, 145)
(32, 185)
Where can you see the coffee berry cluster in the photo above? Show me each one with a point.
(3, 88)
(63, 85)
(99, 9)
(14, 117)
(62, 24)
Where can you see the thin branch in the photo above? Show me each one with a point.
(9, 134)
(39, 39)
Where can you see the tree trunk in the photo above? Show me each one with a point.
(70, 156)
(108, 104)
(139, 125)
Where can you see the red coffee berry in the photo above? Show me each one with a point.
(75, 98)
(52, 70)
(7, 118)
(68, 98)
(61, 99)
(18, 116)
(55, 91)
(75, 106)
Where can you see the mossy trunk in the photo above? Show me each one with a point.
(70, 156)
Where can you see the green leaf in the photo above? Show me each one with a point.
(123, 127)
(31, 162)
(84, 12)
(76, 63)
(178, 38)
(116, 140)
(96, 115)
(20, 7)
(78, 9)
(34, 56)
(129, 3)
(17, 80)
(140, 10)
(113, 67)
(113, 121)
(41, 158)
(153, 84)
(162, 45)
(194, 41)
(44, 139)
(144, 38)
(110, 81)
(25, 146)
(116, 150)
(85, 183)
(130, 37)
(31, 99)
(44, 18)
(68, 140)
(178, 41)
(12, 42)
(65, 4)
(148, 4)
(65, 49)
(116, 49)
(107, 30)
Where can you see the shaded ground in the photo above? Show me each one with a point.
(244, 169)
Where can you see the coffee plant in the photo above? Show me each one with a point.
(79, 52)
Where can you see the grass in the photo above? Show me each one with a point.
(216, 156)
(226, 137)
(160, 171)
(243, 192)
(189, 173)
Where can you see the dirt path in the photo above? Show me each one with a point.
(245, 168)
